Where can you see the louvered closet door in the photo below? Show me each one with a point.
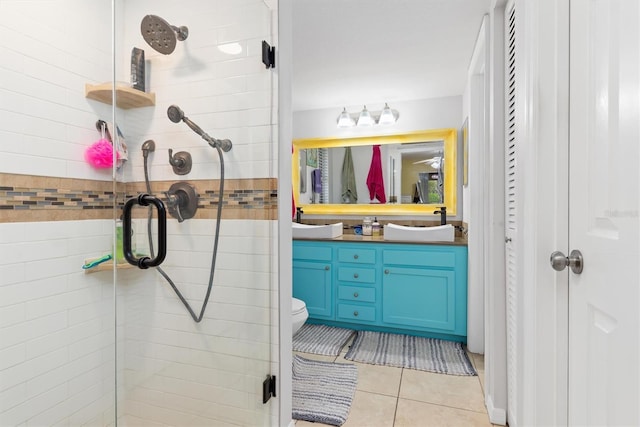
(510, 214)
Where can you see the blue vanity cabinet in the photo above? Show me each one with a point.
(425, 289)
(313, 278)
(383, 286)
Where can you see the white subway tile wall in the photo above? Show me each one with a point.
(57, 337)
(228, 95)
(48, 54)
(56, 325)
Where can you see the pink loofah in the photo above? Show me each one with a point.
(100, 154)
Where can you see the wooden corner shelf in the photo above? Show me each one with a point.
(126, 97)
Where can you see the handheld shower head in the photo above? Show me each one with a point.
(176, 115)
(160, 35)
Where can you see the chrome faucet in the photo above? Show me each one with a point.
(443, 215)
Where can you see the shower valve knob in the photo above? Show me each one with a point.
(181, 162)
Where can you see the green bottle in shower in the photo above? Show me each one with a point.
(119, 252)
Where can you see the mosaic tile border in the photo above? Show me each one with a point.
(26, 198)
(18, 198)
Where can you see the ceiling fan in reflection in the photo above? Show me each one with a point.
(434, 162)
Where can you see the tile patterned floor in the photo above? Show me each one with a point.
(397, 397)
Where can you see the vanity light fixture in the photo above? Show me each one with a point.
(365, 118)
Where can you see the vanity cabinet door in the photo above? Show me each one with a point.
(419, 298)
(424, 288)
(312, 284)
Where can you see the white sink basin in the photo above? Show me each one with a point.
(440, 233)
(305, 231)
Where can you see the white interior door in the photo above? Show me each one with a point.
(604, 307)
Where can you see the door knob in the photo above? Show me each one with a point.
(575, 261)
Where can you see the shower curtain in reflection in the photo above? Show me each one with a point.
(113, 344)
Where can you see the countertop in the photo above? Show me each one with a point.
(459, 241)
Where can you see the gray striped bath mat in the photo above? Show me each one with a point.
(322, 391)
(405, 351)
(321, 339)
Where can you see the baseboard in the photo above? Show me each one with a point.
(496, 415)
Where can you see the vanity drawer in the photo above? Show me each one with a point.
(357, 293)
(439, 258)
(355, 274)
(357, 255)
(312, 253)
(352, 312)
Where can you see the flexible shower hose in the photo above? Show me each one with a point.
(197, 319)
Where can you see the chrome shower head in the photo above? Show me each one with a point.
(160, 35)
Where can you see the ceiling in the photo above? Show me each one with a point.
(352, 52)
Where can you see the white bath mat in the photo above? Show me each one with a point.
(322, 391)
(321, 339)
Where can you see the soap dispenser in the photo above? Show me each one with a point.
(375, 227)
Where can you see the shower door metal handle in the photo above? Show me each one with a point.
(144, 262)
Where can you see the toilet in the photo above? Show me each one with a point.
(299, 313)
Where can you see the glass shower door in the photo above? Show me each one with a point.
(195, 335)
(57, 323)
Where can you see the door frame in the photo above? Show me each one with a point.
(495, 361)
(284, 344)
(478, 87)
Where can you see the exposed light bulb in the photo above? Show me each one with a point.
(365, 118)
(345, 120)
(386, 117)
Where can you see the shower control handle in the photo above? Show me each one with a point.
(144, 262)
(182, 199)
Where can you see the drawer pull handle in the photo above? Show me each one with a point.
(326, 267)
(355, 294)
(355, 276)
(355, 313)
(386, 272)
(355, 256)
